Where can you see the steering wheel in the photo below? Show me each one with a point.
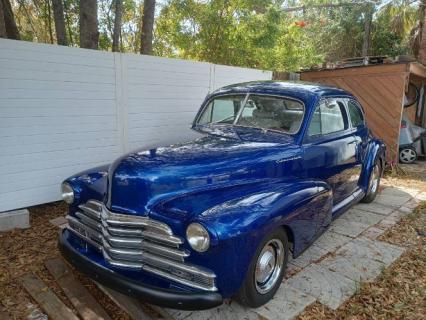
(249, 122)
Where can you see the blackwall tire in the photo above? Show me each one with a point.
(266, 270)
(373, 184)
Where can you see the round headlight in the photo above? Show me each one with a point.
(67, 193)
(198, 237)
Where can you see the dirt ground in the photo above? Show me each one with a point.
(399, 293)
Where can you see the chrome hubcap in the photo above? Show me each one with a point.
(375, 177)
(269, 265)
(407, 155)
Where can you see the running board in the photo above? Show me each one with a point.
(353, 198)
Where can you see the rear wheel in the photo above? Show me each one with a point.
(266, 270)
(374, 183)
(407, 155)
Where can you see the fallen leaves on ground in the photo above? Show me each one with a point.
(24, 251)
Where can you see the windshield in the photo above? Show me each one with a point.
(257, 111)
(222, 110)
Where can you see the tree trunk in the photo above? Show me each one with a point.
(58, 15)
(89, 34)
(117, 25)
(49, 20)
(421, 43)
(147, 26)
(9, 21)
(367, 31)
(3, 33)
(68, 22)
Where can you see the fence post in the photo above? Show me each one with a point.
(120, 66)
(212, 77)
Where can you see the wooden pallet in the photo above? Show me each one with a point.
(46, 298)
(84, 304)
(133, 307)
(87, 307)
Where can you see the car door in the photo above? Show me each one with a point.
(361, 136)
(329, 148)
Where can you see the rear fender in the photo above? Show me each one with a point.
(376, 151)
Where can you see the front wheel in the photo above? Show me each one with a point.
(266, 270)
(374, 183)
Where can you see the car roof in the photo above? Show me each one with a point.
(301, 90)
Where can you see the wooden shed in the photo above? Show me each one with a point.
(380, 89)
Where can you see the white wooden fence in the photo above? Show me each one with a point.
(63, 110)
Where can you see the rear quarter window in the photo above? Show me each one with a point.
(355, 113)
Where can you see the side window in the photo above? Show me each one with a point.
(355, 113)
(329, 117)
(332, 116)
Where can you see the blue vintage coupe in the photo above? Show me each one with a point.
(188, 225)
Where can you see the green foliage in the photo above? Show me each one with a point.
(259, 34)
(392, 28)
(249, 33)
(387, 42)
(338, 33)
(130, 29)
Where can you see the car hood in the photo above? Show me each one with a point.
(140, 180)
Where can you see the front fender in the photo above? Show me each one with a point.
(89, 184)
(376, 151)
(303, 207)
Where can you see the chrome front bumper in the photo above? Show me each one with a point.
(169, 298)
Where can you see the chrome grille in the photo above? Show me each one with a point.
(141, 243)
